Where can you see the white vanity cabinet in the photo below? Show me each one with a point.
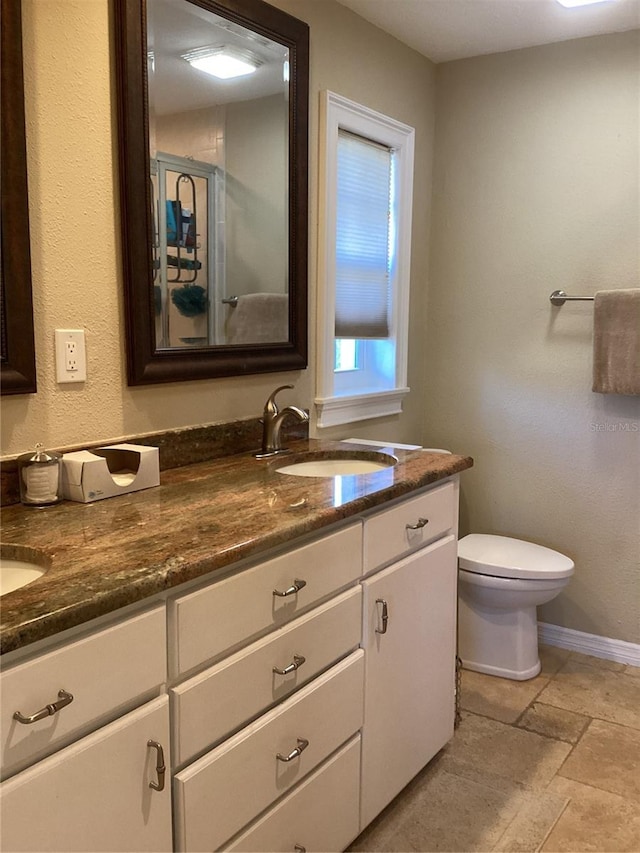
(105, 672)
(222, 792)
(321, 814)
(298, 739)
(96, 794)
(279, 706)
(410, 671)
(409, 637)
(108, 738)
(212, 705)
(267, 723)
(234, 610)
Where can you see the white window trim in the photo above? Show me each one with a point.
(333, 411)
(338, 112)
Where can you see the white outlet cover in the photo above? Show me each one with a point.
(62, 338)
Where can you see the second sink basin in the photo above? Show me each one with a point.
(20, 566)
(338, 464)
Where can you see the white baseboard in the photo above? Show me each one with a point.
(589, 644)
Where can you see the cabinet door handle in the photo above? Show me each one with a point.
(300, 849)
(295, 587)
(420, 523)
(303, 743)
(160, 766)
(298, 660)
(64, 699)
(384, 616)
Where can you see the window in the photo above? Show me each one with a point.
(365, 232)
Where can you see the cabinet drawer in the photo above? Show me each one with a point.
(104, 672)
(223, 791)
(321, 814)
(94, 795)
(223, 698)
(409, 526)
(235, 609)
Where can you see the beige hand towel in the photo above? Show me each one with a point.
(616, 341)
(259, 318)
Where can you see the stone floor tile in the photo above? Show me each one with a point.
(499, 698)
(552, 658)
(533, 823)
(483, 748)
(392, 817)
(599, 663)
(595, 692)
(508, 787)
(607, 757)
(554, 722)
(443, 812)
(594, 820)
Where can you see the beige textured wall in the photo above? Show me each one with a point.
(536, 189)
(72, 160)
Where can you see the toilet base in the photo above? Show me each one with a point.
(500, 672)
(497, 641)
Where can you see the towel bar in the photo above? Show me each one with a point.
(559, 297)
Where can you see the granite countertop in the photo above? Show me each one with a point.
(112, 553)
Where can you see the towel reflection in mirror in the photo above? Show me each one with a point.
(259, 318)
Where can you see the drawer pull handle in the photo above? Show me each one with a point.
(64, 699)
(298, 660)
(295, 587)
(160, 766)
(422, 522)
(385, 616)
(303, 743)
(300, 849)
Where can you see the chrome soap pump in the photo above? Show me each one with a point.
(40, 477)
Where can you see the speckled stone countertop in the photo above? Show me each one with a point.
(112, 553)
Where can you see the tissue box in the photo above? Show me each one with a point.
(91, 475)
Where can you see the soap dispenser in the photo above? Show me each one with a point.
(40, 477)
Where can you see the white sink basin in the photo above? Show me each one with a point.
(19, 566)
(338, 465)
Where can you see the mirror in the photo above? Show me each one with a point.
(17, 351)
(213, 187)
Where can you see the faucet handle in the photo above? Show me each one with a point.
(270, 405)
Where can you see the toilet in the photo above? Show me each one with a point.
(501, 581)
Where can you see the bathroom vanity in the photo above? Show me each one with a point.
(291, 671)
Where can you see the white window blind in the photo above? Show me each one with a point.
(363, 224)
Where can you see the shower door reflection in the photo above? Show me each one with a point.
(188, 251)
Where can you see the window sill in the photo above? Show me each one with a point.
(333, 411)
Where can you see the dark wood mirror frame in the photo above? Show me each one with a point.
(145, 363)
(17, 347)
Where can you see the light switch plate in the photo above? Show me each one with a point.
(71, 361)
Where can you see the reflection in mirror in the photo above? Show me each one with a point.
(225, 122)
(218, 121)
(17, 353)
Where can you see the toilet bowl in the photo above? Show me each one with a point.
(501, 581)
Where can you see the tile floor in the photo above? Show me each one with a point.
(549, 764)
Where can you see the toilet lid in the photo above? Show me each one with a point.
(504, 557)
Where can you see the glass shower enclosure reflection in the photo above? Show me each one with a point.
(188, 251)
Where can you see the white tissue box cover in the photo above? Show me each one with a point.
(105, 472)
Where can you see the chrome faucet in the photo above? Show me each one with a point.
(272, 422)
